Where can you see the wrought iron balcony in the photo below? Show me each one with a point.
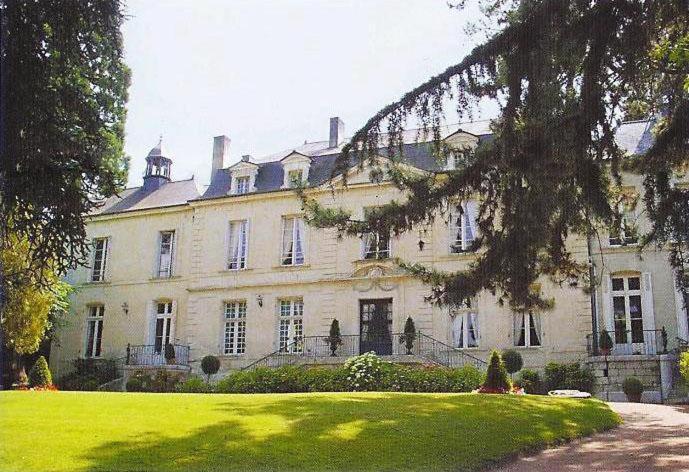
(625, 343)
(152, 355)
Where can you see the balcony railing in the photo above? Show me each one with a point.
(154, 355)
(309, 349)
(625, 343)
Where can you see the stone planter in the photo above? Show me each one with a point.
(634, 397)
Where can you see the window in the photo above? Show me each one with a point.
(627, 309)
(238, 245)
(235, 328)
(463, 227)
(295, 178)
(165, 253)
(527, 329)
(625, 232)
(465, 329)
(242, 185)
(163, 333)
(100, 257)
(291, 328)
(376, 246)
(292, 241)
(94, 330)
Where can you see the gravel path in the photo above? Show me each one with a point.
(652, 438)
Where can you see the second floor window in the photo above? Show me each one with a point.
(625, 230)
(291, 327)
(235, 328)
(166, 253)
(527, 329)
(242, 185)
(376, 245)
(94, 330)
(292, 241)
(100, 257)
(238, 245)
(463, 227)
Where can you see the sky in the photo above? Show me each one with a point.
(270, 74)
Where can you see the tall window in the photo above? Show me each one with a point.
(242, 185)
(100, 257)
(238, 245)
(292, 241)
(625, 232)
(163, 334)
(295, 178)
(94, 330)
(527, 329)
(463, 227)
(627, 310)
(165, 253)
(465, 329)
(291, 328)
(235, 327)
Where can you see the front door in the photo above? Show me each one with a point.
(163, 330)
(376, 326)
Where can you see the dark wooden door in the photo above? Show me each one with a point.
(376, 326)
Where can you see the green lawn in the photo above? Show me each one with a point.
(71, 431)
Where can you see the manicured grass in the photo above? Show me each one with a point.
(82, 431)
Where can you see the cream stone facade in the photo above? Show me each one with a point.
(247, 278)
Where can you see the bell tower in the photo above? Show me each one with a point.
(157, 167)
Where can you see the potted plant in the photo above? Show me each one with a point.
(334, 339)
(170, 354)
(210, 365)
(409, 335)
(605, 343)
(633, 388)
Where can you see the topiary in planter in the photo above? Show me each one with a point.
(335, 338)
(605, 342)
(170, 353)
(409, 335)
(210, 365)
(39, 375)
(513, 361)
(496, 377)
(633, 388)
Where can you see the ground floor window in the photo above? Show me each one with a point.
(94, 330)
(627, 310)
(527, 329)
(291, 327)
(163, 333)
(465, 329)
(235, 327)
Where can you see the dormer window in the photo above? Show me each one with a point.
(243, 177)
(242, 185)
(296, 170)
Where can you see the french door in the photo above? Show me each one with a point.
(376, 326)
(163, 333)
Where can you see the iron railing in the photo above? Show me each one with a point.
(153, 355)
(309, 349)
(641, 342)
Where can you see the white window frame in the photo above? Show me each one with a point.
(240, 261)
(469, 323)
(627, 233)
(527, 319)
(290, 325)
(293, 182)
(166, 268)
(234, 327)
(463, 244)
(629, 322)
(93, 342)
(291, 227)
(376, 251)
(100, 259)
(242, 184)
(167, 325)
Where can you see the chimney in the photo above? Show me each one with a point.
(336, 132)
(221, 153)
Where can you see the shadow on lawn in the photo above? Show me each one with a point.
(353, 432)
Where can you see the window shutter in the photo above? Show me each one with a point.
(607, 305)
(150, 330)
(647, 301)
(173, 320)
(682, 325)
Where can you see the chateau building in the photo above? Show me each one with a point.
(233, 270)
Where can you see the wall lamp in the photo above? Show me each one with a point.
(125, 308)
(259, 300)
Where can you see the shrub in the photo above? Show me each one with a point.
(632, 386)
(323, 379)
(135, 384)
(684, 366)
(170, 353)
(530, 381)
(496, 376)
(210, 365)
(162, 381)
(365, 372)
(89, 374)
(513, 361)
(604, 340)
(334, 338)
(569, 377)
(409, 335)
(194, 385)
(39, 375)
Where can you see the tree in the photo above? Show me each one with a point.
(210, 365)
(496, 376)
(409, 335)
(39, 375)
(562, 73)
(334, 338)
(513, 361)
(63, 90)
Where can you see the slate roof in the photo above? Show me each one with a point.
(634, 137)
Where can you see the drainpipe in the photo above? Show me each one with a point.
(592, 288)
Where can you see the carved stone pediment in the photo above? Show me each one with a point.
(373, 276)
